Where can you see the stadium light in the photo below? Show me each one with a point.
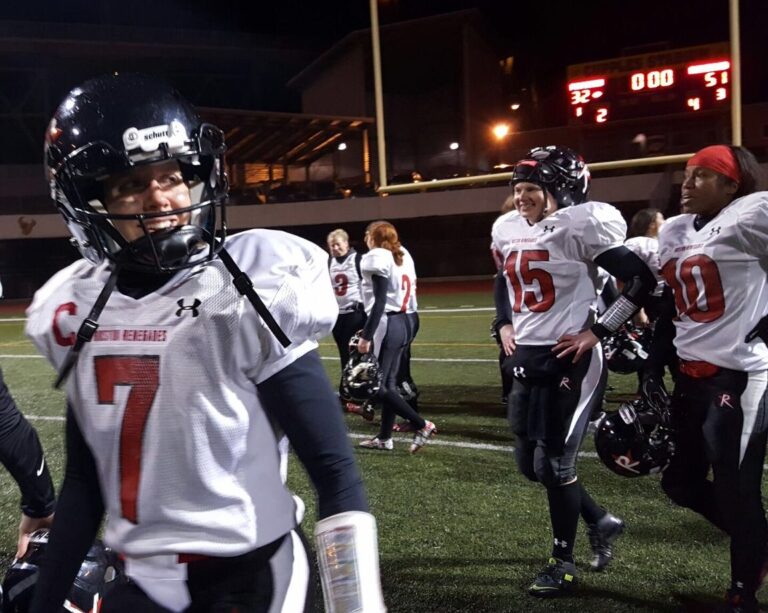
(453, 146)
(501, 131)
(342, 147)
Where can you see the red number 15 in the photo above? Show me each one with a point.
(527, 276)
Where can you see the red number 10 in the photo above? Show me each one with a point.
(142, 374)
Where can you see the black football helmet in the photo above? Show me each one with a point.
(100, 572)
(112, 124)
(362, 377)
(627, 350)
(556, 169)
(635, 440)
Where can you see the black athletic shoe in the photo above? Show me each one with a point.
(736, 602)
(601, 538)
(555, 579)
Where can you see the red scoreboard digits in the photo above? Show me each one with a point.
(662, 83)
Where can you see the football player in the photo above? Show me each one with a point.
(387, 284)
(714, 258)
(344, 268)
(185, 360)
(22, 455)
(551, 246)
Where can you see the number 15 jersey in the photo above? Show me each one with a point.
(718, 277)
(552, 280)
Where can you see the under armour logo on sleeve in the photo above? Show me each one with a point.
(549, 229)
(715, 230)
(191, 307)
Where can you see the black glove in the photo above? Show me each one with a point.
(761, 330)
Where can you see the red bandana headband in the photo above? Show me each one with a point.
(718, 158)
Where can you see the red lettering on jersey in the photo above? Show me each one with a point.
(342, 283)
(406, 285)
(528, 276)
(70, 308)
(142, 374)
(690, 293)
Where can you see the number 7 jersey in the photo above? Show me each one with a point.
(552, 280)
(165, 393)
(718, 277)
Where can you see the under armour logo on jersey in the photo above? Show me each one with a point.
(518, 372)
(715, 230)
(549, 229)
(188, 307)
(565, 382)
(725, 400)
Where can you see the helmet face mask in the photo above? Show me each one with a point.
(627, 350)
(125, 125)
(362, 377)
(100, 572)
(558, 170)
(635, 440)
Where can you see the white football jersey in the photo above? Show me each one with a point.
(380, 262)
(647, 249)
(346, 281)
(718, 276)
(551, 277)
(165, 393)
(408, 271)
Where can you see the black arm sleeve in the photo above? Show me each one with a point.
(78, 517)
(662, 352)
(379, 302)
(22, 454)
(300, 399)
(625, 265)
(639, 284)
(501, 301)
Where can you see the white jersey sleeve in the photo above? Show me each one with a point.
(600, 226)
(290, 275)
(752, 226)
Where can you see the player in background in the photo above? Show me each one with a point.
(185, 360)
(714, 258)
(346, 277)
(22, 455)
(386, 292)
(551, 246)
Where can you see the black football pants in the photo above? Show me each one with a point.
(720, 423)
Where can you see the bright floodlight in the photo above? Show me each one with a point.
(501, 130)
(453, 146)
(514, 106)
(342, 147)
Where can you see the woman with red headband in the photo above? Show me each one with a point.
(714, 258)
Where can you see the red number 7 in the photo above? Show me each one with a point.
(142, 374)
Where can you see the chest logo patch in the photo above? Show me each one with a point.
(188, 307)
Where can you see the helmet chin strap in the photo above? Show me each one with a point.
(245, 287)
(88, 327)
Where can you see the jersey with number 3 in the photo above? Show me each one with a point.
(346, 281)
(549, 268)
(165, 393)
(718, 277)
(380, 262)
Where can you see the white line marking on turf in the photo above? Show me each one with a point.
(10, 356)
(13, 319)
(402, 439)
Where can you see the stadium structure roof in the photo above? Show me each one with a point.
(288, 139)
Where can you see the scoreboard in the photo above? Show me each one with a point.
(688, 80)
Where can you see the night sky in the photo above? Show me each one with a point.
(544, 37)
